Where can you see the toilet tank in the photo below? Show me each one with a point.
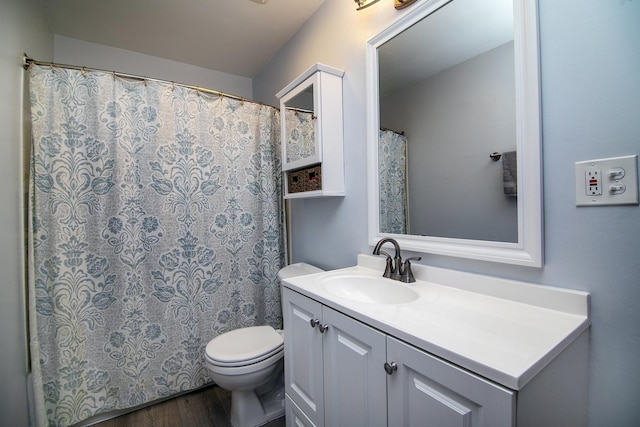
(298, 269)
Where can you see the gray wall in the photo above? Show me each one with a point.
(590, 109)
(23, 28)
(452, 121)
(87, 54)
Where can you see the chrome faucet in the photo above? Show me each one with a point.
(396, 269)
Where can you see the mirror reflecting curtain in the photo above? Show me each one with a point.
(300, 124)
(456, 103)
(393, 182)
(300, 134)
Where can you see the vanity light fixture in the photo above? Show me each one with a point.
(401, 4)
(365, 3)
(398, 4)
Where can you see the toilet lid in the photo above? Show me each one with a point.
(244, 345)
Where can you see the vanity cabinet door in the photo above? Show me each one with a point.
(303, 354)
(429, 392)
(355, 390)
(294, 417)
(334, 370)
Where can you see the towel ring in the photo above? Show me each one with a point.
(495, 156)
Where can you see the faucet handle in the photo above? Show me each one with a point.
(407, 274)
(389, 271)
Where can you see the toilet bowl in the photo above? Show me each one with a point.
(249, 363)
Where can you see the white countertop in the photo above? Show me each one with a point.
(504, 330)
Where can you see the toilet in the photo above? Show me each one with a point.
(249, 363)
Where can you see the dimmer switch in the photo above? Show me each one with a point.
(605, 182)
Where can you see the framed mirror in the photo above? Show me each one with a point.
(453, 131)
(299, 124)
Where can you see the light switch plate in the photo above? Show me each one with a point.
(617, 180)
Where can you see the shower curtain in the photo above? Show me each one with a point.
(392, 170)
(155, 224)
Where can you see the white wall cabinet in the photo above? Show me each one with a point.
(312, 133)
(335, 375)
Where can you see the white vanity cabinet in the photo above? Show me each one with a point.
(335, 375)
(312, 133)
(465, 350)
(333, 367)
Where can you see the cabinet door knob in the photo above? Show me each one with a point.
(323, 328)
(314, 322)
(390, 368)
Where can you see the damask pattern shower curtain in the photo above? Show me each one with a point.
(155, 224)
(392, 169)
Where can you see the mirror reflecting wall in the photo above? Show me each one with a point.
(454, 104)
(451, 83)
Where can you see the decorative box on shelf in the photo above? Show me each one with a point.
(312, 133)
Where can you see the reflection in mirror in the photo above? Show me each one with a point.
(300, 122)
(451, 83)
(394, 207)
(454, 104)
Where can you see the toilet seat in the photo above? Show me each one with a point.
(244, 346)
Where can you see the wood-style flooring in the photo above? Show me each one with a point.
(208, 407)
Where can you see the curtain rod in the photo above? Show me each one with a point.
(299, 110)
(27, 61)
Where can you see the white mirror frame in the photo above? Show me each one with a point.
(528, 250)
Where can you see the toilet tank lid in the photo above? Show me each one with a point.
(298, 269)
(244, 344)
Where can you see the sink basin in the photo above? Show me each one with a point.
(377, 290)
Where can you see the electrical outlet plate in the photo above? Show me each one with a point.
(604, 182)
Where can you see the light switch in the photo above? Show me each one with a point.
(604, 182)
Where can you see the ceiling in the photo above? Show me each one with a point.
(232, 36)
